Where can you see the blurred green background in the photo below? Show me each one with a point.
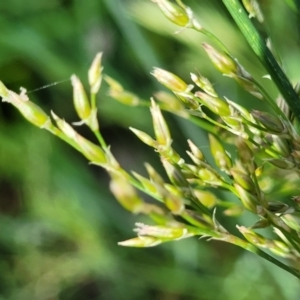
(59, 224)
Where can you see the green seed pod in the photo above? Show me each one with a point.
(278, 207)
(144, 137)
(221, 158)
(153, 175)
(95, 74)
(242, 179)
(148, 185)
(170, 80)
(281, 145)
(175, 203)
(246, 155)
(80, 99)
(125, 194)
(171, 103)
(204, 84)
(161, 232)
(249, 200)
(208, 199)
(216, 105)
(174, 173)
(264, 223)
(141, 242)
(282, 163)
(223, 62)
(91, 151)
(196, 151)
(188, 101)
(160, 126)
(173, 12)
(269, 121)
(209, 177)
(33, 113)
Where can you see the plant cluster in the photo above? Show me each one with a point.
(265, 144)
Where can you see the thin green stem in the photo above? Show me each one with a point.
(260, 48)
(100, 139)
(93, 101)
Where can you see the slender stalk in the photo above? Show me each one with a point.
(100, 139)
(260, 48)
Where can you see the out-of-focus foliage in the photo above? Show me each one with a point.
(59, 224)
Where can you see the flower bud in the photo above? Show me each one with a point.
(161, 232)
(141, 242)
(153, 175)
(30, 111)
(209, 177)
(126, 194)
(282, 163)
(216, 105)
(95, 74)
(264, 223)
(269, 121)
(144, 137)
(223, 62)
(161, 129)
(281, 145)
(173, 202)
(204, 84)
(242, 179)
(196, 151)
(174, 173)
(208, 199)
(173, 12)
(171, 103)
(278, 207)
(219, 154)
(246, 155)
(81, 102)
(91, 151)
(170, 80)
(33, 113)
(146, 183)
(248, 199)
(117, 92)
